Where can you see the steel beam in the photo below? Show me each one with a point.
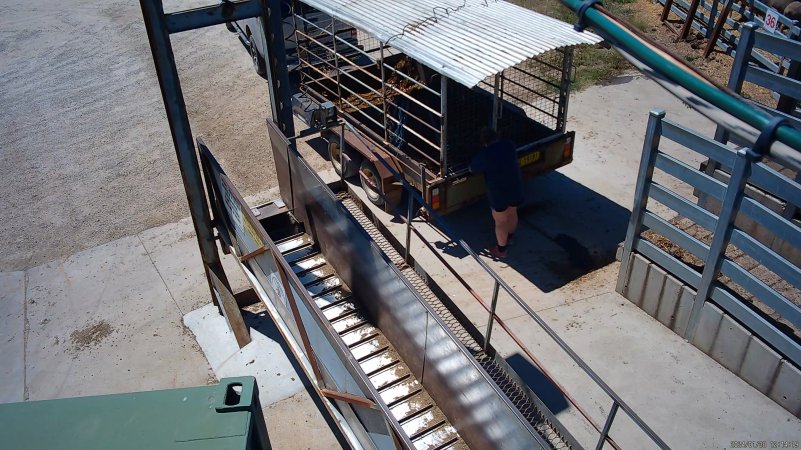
(207, 16)
(167, 72)
(277, 73)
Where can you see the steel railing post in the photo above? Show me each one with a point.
(717, 250)
(172, 95)
(496, 102)
(650, 149)
(342, 155)
(491, 319)
(564, 95)
(336, 61)
(384, 92)
(443, 111)
(409, 217)
(607, 426)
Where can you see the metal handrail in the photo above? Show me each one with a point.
(439, 221)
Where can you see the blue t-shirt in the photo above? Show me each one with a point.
(498, 162)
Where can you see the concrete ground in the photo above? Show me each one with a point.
(132, 315)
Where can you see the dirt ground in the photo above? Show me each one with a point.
(85, 151)
(717, 66)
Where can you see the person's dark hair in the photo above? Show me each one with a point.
(488, 136)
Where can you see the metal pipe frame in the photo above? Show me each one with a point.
(366, 72)
(384, 92)
(496, 102)
(374, 61)
(559, 100)
(351, 121)
(760, 176)
(448, 232)
(312, 66)
(443, 97)
(159, 26)
(567, 82)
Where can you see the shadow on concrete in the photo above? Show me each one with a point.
(263, 323)
(539, 383)
(566, 230)
(320, 146)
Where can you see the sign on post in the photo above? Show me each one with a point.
(771, 20)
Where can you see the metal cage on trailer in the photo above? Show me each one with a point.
(424, 78)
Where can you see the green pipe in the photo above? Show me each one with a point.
(673, 69)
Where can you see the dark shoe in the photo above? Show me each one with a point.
(496, 252)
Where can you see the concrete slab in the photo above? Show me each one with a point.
(296, 423)
(174, 252)
(760, 365)
(707, 329)
(266, 357)
(730, 344)
(787, 387)
(102, 321)
(635, 287)
(669, 301)
(12, 343)
(700, 402)
(653, 289)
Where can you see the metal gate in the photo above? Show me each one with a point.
(729, 241)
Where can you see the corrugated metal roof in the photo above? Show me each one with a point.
(466, 40)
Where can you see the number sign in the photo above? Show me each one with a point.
(771, 20)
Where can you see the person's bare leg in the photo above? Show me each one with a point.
(512, 220)
(501, 226)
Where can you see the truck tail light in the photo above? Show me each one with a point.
(435, 198)
(567, 150)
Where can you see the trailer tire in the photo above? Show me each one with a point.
(258, 60)
(371, 183)
(349, 164)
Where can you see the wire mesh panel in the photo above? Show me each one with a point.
(531, 105)
(397, 101)
(387, 94)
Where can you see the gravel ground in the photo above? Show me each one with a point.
(85, 151)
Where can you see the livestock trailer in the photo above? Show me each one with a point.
(420, 83)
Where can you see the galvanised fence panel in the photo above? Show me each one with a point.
(742, 290)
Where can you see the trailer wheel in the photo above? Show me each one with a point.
(371, 183)
(258, 61)
(335, 155)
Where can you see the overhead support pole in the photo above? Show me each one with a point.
(164, 60)
(277, 73)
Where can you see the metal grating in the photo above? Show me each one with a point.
(512, 390)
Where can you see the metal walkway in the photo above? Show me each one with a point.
(419, 417)
(510, 388)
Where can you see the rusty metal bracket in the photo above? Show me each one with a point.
(348, 398)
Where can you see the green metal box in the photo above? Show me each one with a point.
(220, 417)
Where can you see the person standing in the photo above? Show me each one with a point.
(497, 161)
